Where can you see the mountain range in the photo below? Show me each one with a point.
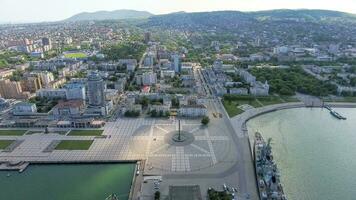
(214, 18)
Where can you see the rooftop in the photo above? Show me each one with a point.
(71, 103)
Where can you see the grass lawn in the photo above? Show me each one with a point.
(341, 99)
(12, 132)
(74, 145)
(270, 100)
(289, 99)
(251, 102)
(85, 132)
(231, 103)
(232, 109)
(75, 55)
(5, 143)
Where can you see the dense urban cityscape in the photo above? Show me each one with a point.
(172, 95)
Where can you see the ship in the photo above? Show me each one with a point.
(267, 174)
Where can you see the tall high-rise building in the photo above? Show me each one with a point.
(176, 63)
(96, 87)
(12, 90)
(46, 44)
(31, 83)
(46, 78)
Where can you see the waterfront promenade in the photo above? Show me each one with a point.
(220, 152)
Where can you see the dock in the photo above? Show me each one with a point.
(14, 166)
(334, 113)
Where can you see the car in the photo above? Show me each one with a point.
(225, 187)
(234, 189)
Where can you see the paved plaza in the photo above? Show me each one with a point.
(212, 155)
(129, 139)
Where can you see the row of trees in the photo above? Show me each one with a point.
(132, 113)
(155, 113)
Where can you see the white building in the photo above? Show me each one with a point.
(52, 93)
(132, 107)
(147, 78)
(130, 64)
(24, 108)
(238, 91)
(159, 108)
(259, 89)
(246, 76)
(192, 111)
(75, 91)
(281, 50)
(167, 73)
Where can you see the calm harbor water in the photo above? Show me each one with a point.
(69, 182)
(315, 152)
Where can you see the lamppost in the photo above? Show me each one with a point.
(179, 138)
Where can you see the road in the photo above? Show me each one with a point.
(244, 165)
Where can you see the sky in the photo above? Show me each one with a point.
(52, 10)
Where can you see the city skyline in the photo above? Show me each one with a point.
(19, 11)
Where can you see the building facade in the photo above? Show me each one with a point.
(96, 88)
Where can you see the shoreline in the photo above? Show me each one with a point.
(250, 114)
(239, 122)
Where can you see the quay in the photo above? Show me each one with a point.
(13, 166)
(334, 113)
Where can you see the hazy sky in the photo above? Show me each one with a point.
(51, 10)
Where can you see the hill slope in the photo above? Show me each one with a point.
(302, 15)
(110, 15)
(232, 19)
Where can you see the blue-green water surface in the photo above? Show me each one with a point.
(315, 152)
(67, 182)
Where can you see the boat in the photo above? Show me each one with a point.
(112, 197)
(267, 174)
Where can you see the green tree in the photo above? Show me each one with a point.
(205, 120)
(157, 195)
(145, 101)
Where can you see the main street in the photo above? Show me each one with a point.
(244, 166)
